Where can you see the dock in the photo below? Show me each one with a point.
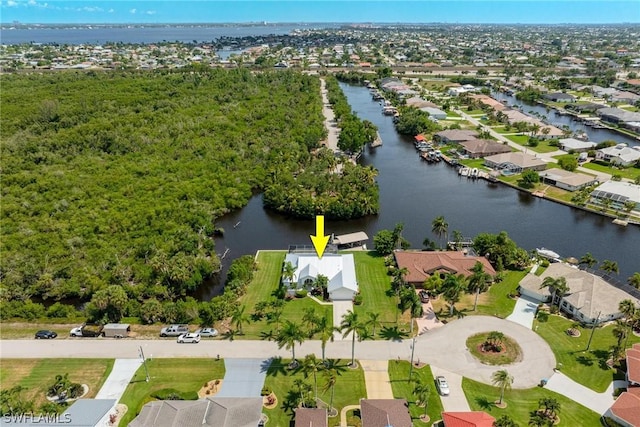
(376, 142)
(350, 240)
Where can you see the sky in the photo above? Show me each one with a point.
(356, 11)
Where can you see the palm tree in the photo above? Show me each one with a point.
(557, 286)
(422, 391)
(588, 260)
(310, 318)
(331, 375)
(494, 339)
(351, 325)
(239, 318)
(311, 366)
(457, 238)
(537, 420)
(634, 280)
(373, 321)
(502, 379)
(609, 266)
(288, 336)
(451, 289)
(326, 329)
(505, 420)
(439, 227)
(551, 407)
(620, 332)
(288, 272)
(478, 281)
(302, 388)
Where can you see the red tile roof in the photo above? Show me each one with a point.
(421, 265)
(627, 407)
(633, 364)
(467, 419)
(420, 137)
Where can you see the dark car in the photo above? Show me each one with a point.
(45, 335)
(424, 296)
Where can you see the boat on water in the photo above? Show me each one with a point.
(547, 253)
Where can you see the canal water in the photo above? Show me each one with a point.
(414, 192)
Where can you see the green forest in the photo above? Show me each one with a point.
(117, 178)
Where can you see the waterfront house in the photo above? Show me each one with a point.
(617, 115)
(559, 97)
(620, 155)
(566, 180)
(572, 144)
(418, 102)
(467, 419)
(487, 100)
(421, 265)
(339, 269)
(385, 413)
(209, 412)
(618, 192)
(310, 417)
(483, 147)
(436, 113)
(590, 298)
(514, 162)
(455, 135)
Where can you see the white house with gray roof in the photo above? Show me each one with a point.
(620, 154)
(618, 192)
(589, 298)
(339, 269)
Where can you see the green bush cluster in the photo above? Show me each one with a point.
(173, 394)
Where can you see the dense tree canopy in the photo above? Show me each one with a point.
(116, 178)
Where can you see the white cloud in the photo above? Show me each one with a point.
(133, 11)
(150, 12)
(111, 10)
(12, 3)
(90, 9)
(32, 2)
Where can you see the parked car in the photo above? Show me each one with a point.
(207, 332)
(174, 330)
(443, 385)
(424, 296)
(189, 338)
(45, 335)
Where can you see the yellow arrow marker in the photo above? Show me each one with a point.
(319, 240)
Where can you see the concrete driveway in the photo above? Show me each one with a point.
(456, 401)
(598, 402)
(119, 378)
(243, 377)
(376, 378)
(524, 312)
(429, 320)
(340, 308)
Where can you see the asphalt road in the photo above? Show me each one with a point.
(443, 347)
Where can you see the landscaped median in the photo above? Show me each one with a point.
(588, 368)
(177, 376)
(521, 403)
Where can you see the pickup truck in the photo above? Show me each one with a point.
(174, 330)
(84, 331)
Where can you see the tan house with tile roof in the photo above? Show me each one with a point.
(421, 265)
(626, 409)
(311, 417)
(483, 147)
(385, 412)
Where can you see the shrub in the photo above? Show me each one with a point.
(301, 293)
(173, 394)
(265, 391)
(357, 300)
(543, 316)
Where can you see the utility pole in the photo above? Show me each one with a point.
(413, 349)
(593, 329)
(144, 362)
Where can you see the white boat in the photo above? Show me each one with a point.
(547, 253)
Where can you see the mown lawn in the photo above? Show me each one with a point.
(403, 389)
(520, 403)
(349, 388)
(630, 173)
(183, 375)
(586, 367)
(375, 287)
(494, 302)
(37, 375)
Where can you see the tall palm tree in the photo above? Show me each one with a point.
(588, 260)
(288, 336)
(239, 318)
(609, 266)
(288, 272)
(331, 376)
(628, 310)
(439, 227)
(557, 286)
(422, 390)
(326, 329)
(451, 289)
(311, 366)
(373, 321)
(634, 280)
(502, 379)
(310, 318)
(551, 406)
(478, 281)
(351, 325)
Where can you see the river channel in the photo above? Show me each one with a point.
(414, 193)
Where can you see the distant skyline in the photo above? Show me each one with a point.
(214, 11)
